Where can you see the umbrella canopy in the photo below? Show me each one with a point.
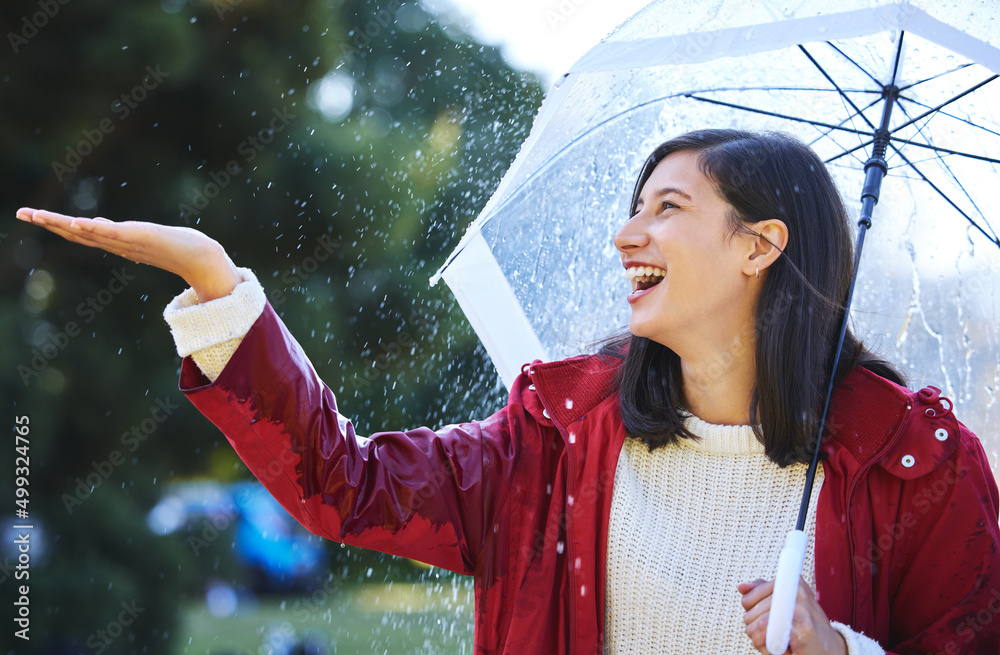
(538, 276)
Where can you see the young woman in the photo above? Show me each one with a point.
(637, 500)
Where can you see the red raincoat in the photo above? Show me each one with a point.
(906, 530)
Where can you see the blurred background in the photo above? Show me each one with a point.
(339, 148)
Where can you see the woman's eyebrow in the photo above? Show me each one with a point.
(666, 190)
(659, 193)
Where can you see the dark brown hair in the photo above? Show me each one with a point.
(798, 312)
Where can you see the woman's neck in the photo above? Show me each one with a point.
(719, 382)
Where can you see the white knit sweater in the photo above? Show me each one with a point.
(688, 522)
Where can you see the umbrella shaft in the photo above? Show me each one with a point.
(876, 167)
(800, 523)
(874, 173)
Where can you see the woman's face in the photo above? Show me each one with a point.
(699, 288)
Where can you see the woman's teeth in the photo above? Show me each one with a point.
(644, 271)
(643, 277)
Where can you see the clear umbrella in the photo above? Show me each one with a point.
(923, 72)
(540, 254)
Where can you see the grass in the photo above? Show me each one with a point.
(370, 618)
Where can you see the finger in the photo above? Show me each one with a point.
(757, 631)
(744, 587)
(30, 216)
(96, 223)
(107, 235)
(126, 233)
(757, 594)
(805, 591)
(49, 219)
(76, 224)
(758, 635)
(113, 246)
(808, 619)
(755, 612)
(62, 220)
(53, 217)
(92, 225)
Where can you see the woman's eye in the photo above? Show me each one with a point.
(666, 205)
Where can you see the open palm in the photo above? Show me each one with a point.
(184, 251)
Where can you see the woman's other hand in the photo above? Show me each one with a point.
(197, 258)
(812, 633)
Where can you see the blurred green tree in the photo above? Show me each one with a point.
(337, 148)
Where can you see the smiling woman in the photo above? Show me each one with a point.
(704, 305)
(624, 501)
(714, 209)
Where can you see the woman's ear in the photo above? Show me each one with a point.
(767, 243)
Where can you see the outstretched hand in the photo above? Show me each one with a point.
(812, 632)
(184, 251)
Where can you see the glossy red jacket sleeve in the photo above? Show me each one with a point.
(423, 494)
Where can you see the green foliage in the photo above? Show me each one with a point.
(389, 187)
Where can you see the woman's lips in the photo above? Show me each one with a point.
(644, 277)
(639, 293)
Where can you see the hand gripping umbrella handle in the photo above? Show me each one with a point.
(786, 588)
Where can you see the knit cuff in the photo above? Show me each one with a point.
(212, 331)
(857, 643)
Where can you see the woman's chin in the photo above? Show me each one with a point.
(649, 329)
(639, 327)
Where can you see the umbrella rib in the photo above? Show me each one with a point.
(857, 112)
(945, 103)
(937, 149)
(932, 157)
(856, 64)
(775, 114)
(941, 193)
(799, 88)
(952, 116)
(779, 88)
(934, 77)
(844, 98)
(947, 151)
(827, 133)
(852, 150)
(940, 159)
(895, 64)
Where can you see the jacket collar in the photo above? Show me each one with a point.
(866, 410)
(570, 388)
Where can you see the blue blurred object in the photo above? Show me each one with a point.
(270, 540)
(279, 553)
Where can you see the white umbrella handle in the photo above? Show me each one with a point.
(786, 588)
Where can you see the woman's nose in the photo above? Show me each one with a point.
(631, 235)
